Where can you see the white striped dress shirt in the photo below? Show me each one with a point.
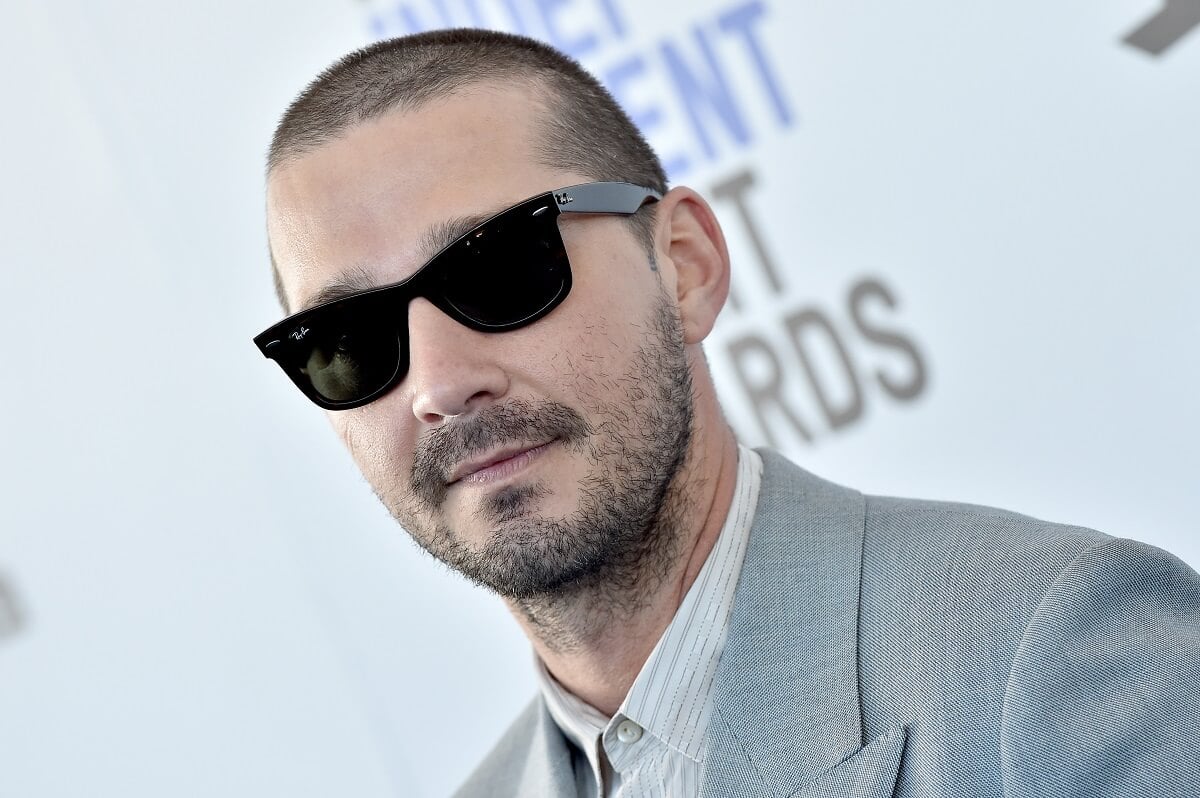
(655, 744)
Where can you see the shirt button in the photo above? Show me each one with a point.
(629, 732)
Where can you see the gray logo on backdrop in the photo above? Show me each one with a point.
(811, 380)
(10, 613)
(1162, 30)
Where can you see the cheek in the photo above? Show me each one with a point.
(596, 366)
(375, 444)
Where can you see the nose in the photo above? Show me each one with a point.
(451, 370)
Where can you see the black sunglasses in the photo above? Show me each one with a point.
(508, 272)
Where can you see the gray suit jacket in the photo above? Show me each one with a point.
(887, 647)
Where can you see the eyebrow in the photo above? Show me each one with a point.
(355, 281)
(436, 237)
(442, 234)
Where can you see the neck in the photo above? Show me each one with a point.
(596, 639)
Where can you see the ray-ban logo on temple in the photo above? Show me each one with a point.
(562, 198)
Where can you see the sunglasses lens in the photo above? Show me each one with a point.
(346, 360)
(507, 273)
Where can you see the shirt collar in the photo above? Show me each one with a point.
(671, 696)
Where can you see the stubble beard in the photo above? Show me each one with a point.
(618, 545)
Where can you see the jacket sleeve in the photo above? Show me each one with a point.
(1104, 694)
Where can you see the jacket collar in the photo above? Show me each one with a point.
(548, 769)
(786, 698)
(786, 715)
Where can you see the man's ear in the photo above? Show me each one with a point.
(689, 238)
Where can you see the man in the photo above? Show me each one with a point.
(501, 307)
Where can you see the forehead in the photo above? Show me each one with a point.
(358, 208)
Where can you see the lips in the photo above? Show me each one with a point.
(492, 463)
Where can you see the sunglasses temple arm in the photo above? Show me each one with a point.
(603, 198)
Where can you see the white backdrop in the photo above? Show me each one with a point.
(965, 247)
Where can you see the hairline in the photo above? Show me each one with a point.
(291, 151)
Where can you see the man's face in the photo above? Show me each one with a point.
(533, 460)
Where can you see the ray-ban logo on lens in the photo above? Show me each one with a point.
(298, 335)
(1162, 30)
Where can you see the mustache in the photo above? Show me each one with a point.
(517, 421)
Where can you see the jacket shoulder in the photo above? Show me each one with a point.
(946, 593)
(1015, 645)
(967, 543)
(949, 589)
(1102, 697)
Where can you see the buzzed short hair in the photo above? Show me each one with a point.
(583, 128)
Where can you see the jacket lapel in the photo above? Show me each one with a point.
(869, 773)
(548, 770)
(786, 699)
